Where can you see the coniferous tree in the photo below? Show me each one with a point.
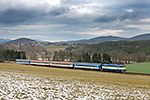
(99, 57)
(95, 58)
(83, 57)
(87, 58)
(106, 58)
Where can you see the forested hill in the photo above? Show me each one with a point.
(21, 40)
(140, 37)
(105, 39)
(129, 47)
(98, 39)
(111, 38)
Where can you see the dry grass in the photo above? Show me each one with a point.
(54, 49)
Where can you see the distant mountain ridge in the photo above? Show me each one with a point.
(111, 38)
(98, 39)
(41, 41)
(140, 37)
(4, 40)
(92, 40)
(105, 39)
(21, 40)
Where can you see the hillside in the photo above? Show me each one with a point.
(110, 38)
(106, 39)
(140, 37)
(129, 47)
(21, 40)
(97, 39)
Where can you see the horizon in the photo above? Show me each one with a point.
(68, 20)
(77, 39)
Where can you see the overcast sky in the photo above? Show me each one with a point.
(61, 20)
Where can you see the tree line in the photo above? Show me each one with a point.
(85, 57)
(11, 55)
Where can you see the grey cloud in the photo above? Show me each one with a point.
(17, 16)
(9, 16)
(135, 15)
(74, 2)
(55, 14)
(137, 4)
(55, 11)
(106, 18)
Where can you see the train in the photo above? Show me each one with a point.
(64, 64)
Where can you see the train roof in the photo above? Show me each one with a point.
(87, 63)
(22, 60)
(40, 60)
(112, 65)
(61, 62)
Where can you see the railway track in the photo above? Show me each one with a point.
(76, 74)
(136, 74)
(127, 73)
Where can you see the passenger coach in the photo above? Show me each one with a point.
(40, 62)
(88, 65)
(61, 64)
(22, 61)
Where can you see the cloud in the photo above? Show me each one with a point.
(143, 27)
(106, 18)
(16, 15)
(102, 32)
(55, 10)
(133, 15)
(71, 11)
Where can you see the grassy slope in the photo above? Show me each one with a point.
(139, 67)
(82, 75)
(56, 46)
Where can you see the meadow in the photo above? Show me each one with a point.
(55, 48)
(139, 67)
(39, 82)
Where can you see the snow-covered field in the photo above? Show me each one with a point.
(37, 86)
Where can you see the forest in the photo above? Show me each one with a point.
(85, 57)
(11, 55)
(119, 51)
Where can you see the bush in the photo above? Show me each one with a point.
(2, 61)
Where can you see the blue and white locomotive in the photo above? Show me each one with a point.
(113, 67)
(97, 66)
